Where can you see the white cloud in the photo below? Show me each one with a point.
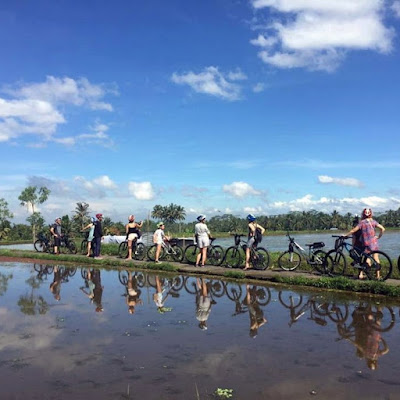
(105, 182)
(240, 189)
(141, 190)
(211, 81)
(340, 181)
(317, 34)
(35, 108)
(396, 8)
(259, 87)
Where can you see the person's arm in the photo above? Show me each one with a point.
(382, 229)
(354, 230)
(262, 229)
(140, 224)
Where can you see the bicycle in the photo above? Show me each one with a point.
(291, 259)
(69, 244)
(214, 253)
(138, 250)
(43, 244)
(169, 248)
(362, 261)
(259, 257)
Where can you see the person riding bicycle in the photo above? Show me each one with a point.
(159, 238)
(254, 230)
(56, 232)
(202, 234)
(132, 233)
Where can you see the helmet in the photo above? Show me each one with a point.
(57, 219)
(160, 224)
(93, 219)
(131, 217)
(251, 218)
(99, 216)
(201, 217)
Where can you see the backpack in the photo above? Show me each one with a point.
(258, 235)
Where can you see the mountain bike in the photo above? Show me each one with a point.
(315, 257)
(43, 244)
(138, 250)
(169, 249)
(259, 257)
(361, 260)
(67, 244)
(215, 253)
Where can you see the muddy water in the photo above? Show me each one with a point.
(90, 334)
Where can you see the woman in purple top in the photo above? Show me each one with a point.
(367, 226)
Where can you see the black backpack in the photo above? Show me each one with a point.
(258, 235)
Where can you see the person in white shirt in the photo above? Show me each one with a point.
(202, 235)
(158, 238)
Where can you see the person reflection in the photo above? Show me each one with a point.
(132, 294)
(55, 286)
(160, 296)
(256, 314)
(367, 335)
(88, 289)
(97, 290)
(203, 303)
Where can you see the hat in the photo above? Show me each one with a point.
(99, 216)
(201, 217)
(160, 224)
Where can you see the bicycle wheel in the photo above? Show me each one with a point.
(233, 291)
(40, 246)
(263, 296)
(336, 262)
(177, 253)
(216, 255)
(151, 253)
(190, 285)
(289, 260)
(259, 258)
(84, 246)
(289, 301)
(232, 257)
(321, 262)
(139, 252)
(190, 254)
(384, 265)
(177, 283)
(72, 248)
(123, 277)
(217, 288)
(123, 250)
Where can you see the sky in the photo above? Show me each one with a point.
(220, 106)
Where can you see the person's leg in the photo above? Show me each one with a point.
(247, 265)
(89, 247)
(198, 257)
(203, 256)
(129, 249)
(158, 251)
(97, 241)
(376, 258)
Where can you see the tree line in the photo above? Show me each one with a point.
(173, 216)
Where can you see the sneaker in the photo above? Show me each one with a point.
(158, 262)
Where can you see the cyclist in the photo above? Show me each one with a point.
(202, 235)
(367, 227)
(90, 235)
(98, 236)
(254, 230)
(132, 233)
(159, 238)
(56, 232)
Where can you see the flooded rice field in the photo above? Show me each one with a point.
(81, 333)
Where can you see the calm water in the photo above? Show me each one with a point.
(390, 242)
(90, 334)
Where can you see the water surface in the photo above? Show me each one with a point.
(88, 334)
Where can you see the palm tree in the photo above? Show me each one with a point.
(81, 214)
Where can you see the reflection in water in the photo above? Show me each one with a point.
(4, 282)
(308, 345)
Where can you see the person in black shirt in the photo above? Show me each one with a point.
(98, 235)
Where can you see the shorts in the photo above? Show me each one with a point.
(132, 236)
(57, 241)
(250, 242)
(90, 238)
(203, 241)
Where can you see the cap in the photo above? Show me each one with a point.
(99, 216)
(160, 224)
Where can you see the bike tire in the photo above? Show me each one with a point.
(289, 303)
(336, 263)
(217, 288)
(190, 285)
(151, 252)
(216, 255)
(177, 253)
(123, 277)
(84, 246)
(72, 248)
(321, 262)
(289, 260)
(123, 250)
(263, 296)
(177, 283)
(40, 246)
(232, 257)
(233, 291)
(260, 258)
(385, 265)
(191, 254)
(139, 252)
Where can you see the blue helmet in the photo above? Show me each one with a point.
(251, 218)
(201, 217)
(93, 219)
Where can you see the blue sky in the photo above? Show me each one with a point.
(263, 106)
